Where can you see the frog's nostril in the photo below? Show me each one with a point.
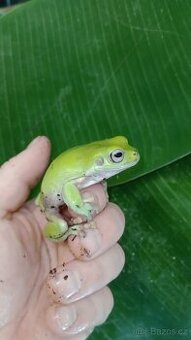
(134, 153)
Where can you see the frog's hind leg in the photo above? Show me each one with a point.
(57, 229)
(53, 232)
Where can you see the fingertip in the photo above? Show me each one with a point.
(119, 216)
(80, 317)
(108, 300)
(21, 173)
(39, 139)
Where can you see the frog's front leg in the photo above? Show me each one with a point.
(73, 200)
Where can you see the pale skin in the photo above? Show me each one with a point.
(67, 304)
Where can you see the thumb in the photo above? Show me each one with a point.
(20, 174)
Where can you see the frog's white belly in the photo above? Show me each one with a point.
(85, 182)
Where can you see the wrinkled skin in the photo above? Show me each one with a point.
(70, 303)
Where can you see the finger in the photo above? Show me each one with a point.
(21, 173)
(78, 279)
(110, 225)
(81, 316)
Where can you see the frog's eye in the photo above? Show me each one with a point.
(117, 156)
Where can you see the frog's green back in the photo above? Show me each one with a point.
(73, 163)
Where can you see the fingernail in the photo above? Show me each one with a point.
(65, 317)
(91, 242)
(91, 198)
(61, 318)
(88, 197)
(34, 141)
(64, 285)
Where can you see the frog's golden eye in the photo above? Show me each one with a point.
(117, 156)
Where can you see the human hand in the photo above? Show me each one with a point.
(76, 298)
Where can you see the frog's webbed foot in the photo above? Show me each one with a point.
(53, 231)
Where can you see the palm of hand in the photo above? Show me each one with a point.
(26, 257)
(25, 262)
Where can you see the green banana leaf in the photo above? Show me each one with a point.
(153, 295)
(83, 70)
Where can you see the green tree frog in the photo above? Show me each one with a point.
(75, 169)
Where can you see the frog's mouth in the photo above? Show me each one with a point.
(114, 171)
(129, 165)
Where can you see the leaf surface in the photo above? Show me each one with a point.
(86, 70)
(153, 291)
